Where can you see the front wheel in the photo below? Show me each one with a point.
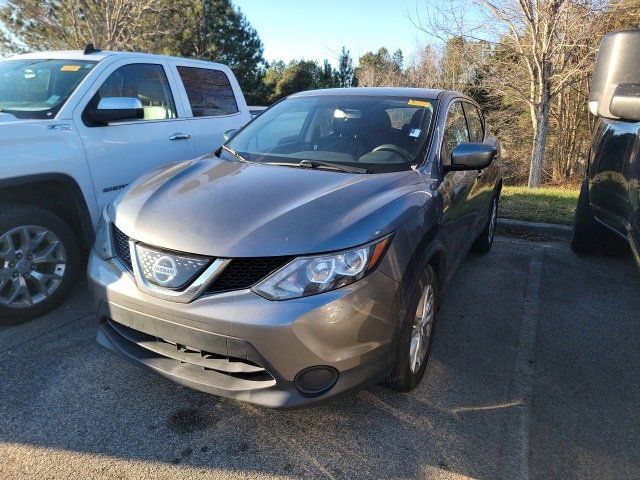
(416, 336)
(39, 262)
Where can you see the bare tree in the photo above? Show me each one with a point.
(110, 24)
(535, 44)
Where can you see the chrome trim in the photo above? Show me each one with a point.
(194, 290)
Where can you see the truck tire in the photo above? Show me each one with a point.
(587, 232)
(39, 262)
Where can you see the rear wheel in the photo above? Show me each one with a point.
(416, 336)
(485, 241)
(39, 261)
(587, 234)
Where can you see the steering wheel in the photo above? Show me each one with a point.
(388, 147)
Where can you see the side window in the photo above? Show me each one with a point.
(144, 81)
(209, 91)
(476, 125)
(455, 132)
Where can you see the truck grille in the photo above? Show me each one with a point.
(121, 247)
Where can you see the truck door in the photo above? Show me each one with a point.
(120, 152)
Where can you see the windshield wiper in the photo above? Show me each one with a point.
(321, 165)
(234, 153)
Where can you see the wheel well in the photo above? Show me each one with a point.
(438, 263)
(60, 196)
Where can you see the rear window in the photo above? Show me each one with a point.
(209, 92)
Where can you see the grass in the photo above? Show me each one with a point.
(544, 205)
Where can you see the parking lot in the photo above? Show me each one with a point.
(534, 374)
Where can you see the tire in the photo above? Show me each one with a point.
(406, 375)
(587, 234)
(484, 242)
(39, 262)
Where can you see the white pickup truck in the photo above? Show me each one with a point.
(75, 128)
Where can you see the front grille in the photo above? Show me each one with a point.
(222, 368)
(243, 273)
(121, 247)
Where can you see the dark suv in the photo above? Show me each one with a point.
(610, 195)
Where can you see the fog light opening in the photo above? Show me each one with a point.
(314, 381)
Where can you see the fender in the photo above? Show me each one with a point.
(71, 189)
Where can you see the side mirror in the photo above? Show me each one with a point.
(471, 156)
(113, 109)
(229, 134)
(625, 103)
(615, 87)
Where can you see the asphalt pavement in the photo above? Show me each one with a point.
(534, 374)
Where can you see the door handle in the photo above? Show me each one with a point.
(180, 136)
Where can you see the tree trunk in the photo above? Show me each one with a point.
(539, 142)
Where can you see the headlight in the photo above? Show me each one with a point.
(306, 276)
(104, 245)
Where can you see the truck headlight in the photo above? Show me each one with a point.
(104, 245)
(311, 275)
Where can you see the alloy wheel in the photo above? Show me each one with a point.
(32, 265)
(422, 329)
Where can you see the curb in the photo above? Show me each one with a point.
(547, 230)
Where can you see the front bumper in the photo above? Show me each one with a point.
(240, 345)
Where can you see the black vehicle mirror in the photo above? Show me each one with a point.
(471, 156)
(625, 103)
(615, 88)
(113, 109)
(229, 134)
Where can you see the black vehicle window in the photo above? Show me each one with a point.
(455, 132)
(146, 82)
(209, 91)
(474, 120)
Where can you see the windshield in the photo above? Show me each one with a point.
(378, 133)
(37, 89)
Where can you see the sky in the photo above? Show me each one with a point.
(315, 30)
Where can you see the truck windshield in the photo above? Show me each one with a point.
(37, 89)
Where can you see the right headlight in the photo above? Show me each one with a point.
(311, 275)
(104, 244)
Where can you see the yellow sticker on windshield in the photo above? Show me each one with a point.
(70, 68)
(419, 103)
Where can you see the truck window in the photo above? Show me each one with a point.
(209, 92)
(146, 82)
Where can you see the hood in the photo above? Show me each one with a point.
(229, 209)
(7, 117)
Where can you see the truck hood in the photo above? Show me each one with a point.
(6, 117)
(228, 209)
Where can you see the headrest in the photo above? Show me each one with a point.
(346, 126)
(378, 120)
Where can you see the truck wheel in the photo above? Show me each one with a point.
(485, 241)
(39, 262)
(587, 232)
(416, 336)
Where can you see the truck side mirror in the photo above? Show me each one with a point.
(625, 102)
(113, 109)
(229, 134)
(615, 88)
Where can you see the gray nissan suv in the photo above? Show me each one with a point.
(309, 255)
